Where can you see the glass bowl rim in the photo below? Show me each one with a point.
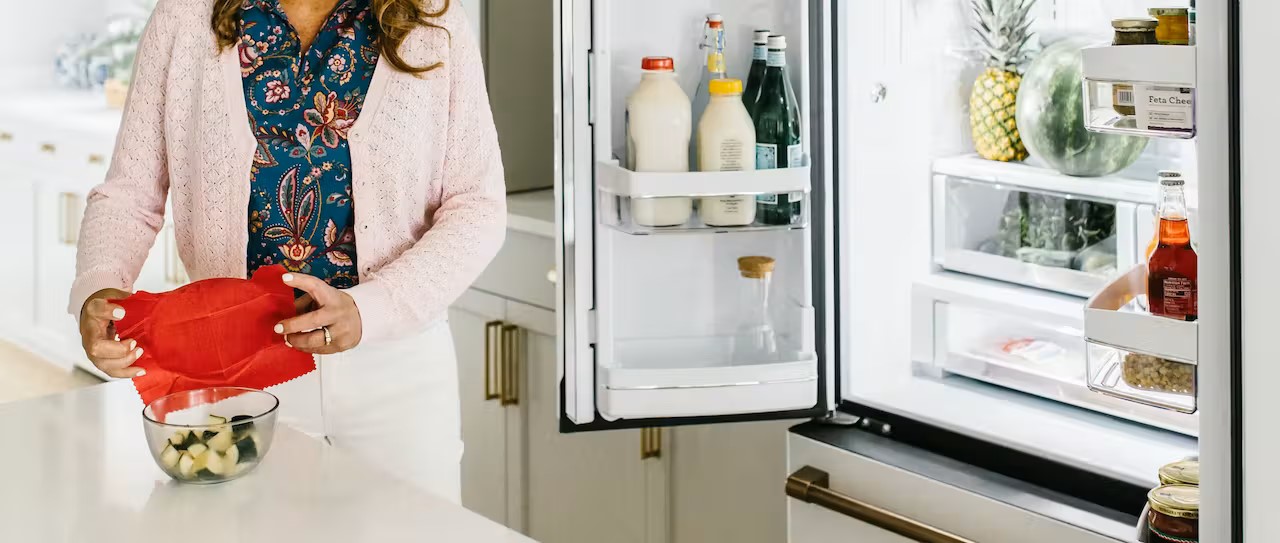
(254, 418)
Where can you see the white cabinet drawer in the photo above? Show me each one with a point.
(524, 270)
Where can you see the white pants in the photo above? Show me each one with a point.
(392, 403)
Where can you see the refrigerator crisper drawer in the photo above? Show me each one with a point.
(1030, 341)
(1015, 223)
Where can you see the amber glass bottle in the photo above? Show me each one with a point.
(1171, 272)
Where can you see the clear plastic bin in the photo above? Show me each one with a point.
(657, 203)
(1057, 241)
(1141, 90)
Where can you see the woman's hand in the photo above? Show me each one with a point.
(326, 307)
(98, 335)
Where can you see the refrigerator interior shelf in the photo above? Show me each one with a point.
(611, 177)
(1116, 317)
(1030, 176)
(1140, 90)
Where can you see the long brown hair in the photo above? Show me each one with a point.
(394, 19)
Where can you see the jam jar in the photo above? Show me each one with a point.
(1130, 31)
(1182, 472)
(1175, 514)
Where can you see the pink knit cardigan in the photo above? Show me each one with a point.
(430, 202)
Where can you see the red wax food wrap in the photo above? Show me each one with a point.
(215, 332)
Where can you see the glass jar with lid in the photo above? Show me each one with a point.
(1175, 514)
(755, 341)
(1173, 26)
(1182, 472)
(1130, 31)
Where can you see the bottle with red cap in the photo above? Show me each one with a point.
(659, 121)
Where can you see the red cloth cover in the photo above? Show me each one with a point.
(215, 332)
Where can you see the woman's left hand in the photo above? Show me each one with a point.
(330, 309)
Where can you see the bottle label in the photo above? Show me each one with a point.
(766, 156)
(715, 63)
(760, 52)
(731, 156)
(1179, 296)
(767, 199)
(777, 57)
(795, 156)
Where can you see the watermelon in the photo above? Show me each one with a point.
(1051, 116)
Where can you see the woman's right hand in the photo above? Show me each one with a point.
(108, 352)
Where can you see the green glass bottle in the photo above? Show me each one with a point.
(759, 56)
(777, 120)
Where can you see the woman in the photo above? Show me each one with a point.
(350, 141)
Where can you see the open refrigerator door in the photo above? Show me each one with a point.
(690, 283)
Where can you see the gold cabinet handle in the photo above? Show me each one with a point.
(650, 443)
(492, 346)
(69, 221)
(512, 343)
(812, 485)
(6, 136)
(48, 148)
(97, 159)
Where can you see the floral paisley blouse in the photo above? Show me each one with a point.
(301, 108)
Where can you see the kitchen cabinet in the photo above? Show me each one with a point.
(518, 469)
(58, 211)
(17, 215)
(724, 482)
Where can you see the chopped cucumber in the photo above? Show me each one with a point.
(179, 437)
(215, 463)
(208, 434)
(232, 455)
(197, 450)
(169, 456)
(186, 465)
(192, 438)
(247, 448)
(214, 420)
(220, 442)
(241, 428)
(206, 475)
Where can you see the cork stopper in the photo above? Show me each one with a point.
(755, 267)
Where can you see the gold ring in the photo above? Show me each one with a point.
(328, 338)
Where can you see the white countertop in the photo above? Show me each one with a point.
(76, 469)
(532, 212)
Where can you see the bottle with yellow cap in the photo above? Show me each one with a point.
(726, 143)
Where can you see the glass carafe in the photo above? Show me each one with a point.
(755, 340)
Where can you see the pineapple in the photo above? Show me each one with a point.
(1003, 29)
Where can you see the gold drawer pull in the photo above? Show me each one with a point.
(97, 159)
(6, 136)
(492, 345)
(812, 485)
(650, 443)
(69, 211)
(48, 148)
(510, 376)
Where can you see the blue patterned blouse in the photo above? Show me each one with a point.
(301, 108)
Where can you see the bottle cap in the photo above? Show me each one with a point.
(761, 37)
(715, 20)
(1182, 472)
(777, 41)
(1169, 173)
(658, 64)
(1134, 23)
(721, 87)
(1181, 501)
(1171, 182)
(755, 267)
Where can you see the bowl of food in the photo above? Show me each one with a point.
(210, 435)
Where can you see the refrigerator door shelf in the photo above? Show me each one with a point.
(691, 390)
(1144, 379)
(1157, 83)
(1117, 316)
(618, 212)
(613, 178)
